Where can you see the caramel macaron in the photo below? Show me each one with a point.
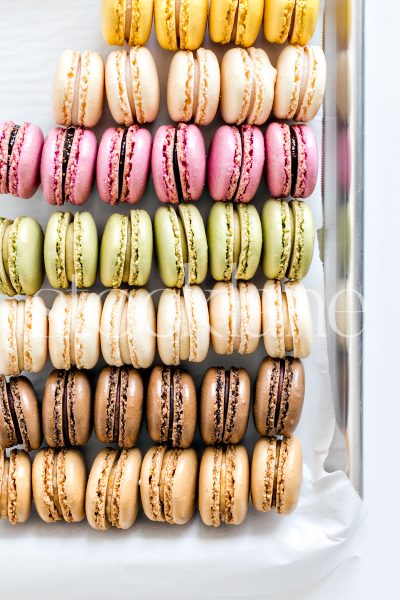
(19, 414)
(224, 485)
(66, 409)
(168, 483)
(112, 493)
(171, 408)
(15, 486)
(59, 485)
(276, 474)
(279, 396)
(224, 405)
(118, 406)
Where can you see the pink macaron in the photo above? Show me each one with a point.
(291, 165)
(68, 164)
(235, 163)
(123, 164)
(178, 163)
(20, 151)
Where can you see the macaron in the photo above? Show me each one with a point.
(224, 485)
(126, 21)
(235, 241)
(128, 328)
(193, 86)
(183, 328)
(20, 151)
(224, 405)
(67, 409)
(118, 406)
(74, 327)
(180, 242)
(168, 484)
(112, 493)
(178, 163)
(235, 318)
(276, 474)
(235, 163)
(291, 160)
(123, 164)
(21, 256)
(247, 86)
(23, 340)
(67, 167)
(19, 414)
(78, 89)
(180, 23)
(71, 250)
(59, 485)
(288, 239)
(293, 20)
(171, 407)
(132, 86)
(286, 319)
(126, 251)
(236, 21)
(15, 486)
(279, 396)
(300, 83)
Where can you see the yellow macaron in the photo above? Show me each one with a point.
(238, 21)
(180, 23)
(293, 19)
(126, 21)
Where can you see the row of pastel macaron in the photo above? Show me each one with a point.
(166, 481)
(182, 23)
(126, 331)
(66, 163)
(171, 406)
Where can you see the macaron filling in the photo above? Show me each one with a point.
(171, 429)
(11, 142)
(116, 405)
(9, 414)
(121, 165)
(294, 160)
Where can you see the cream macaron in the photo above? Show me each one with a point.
(15, 486)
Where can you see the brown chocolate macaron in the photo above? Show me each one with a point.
(15, 486)
(118, 406)
(168, 483)
(276, 474)
(66, 409)
(224, 485)
(224, 405)
(19, 414)
(279, 396)
(171, 409)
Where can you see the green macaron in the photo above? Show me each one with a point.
(126, 251)
(180, 240)
(235, 241)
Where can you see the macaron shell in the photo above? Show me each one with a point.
(86, 248)
(250, 318)
(165, 21)
(8, 347)
(97, 487)
(290, 67)
(5, 283)
(198, 322)
(150, 475)
(307, 151)
(73, 468)
(126, 487)
(184, 486)
(273, 320)
(6, 128)
(51, 166)
(110, 327)
(303, 240)
(180, 86)
(35, 339)
(29, 407)
(305, 21)
(290, 473)
(192, 23)
(236, 86)
(220, 234)
(138, 330)
(137, 165)
(314, 86)
(141, 22)
(86, 337)
(196, 239)
(191, 156)
(278, 169)
(162, 167)
(120, 104)
(300, 319)
(113, 249)
(237, 466)
(142, 247)
(210, 486)
(168, 326)
(82, 165)
(209, 86)
(251, 241)
(224, 163)
(277, 228)
(168, 243)
(249, 20)
(222, 20)
(23, 172)
(253, 160)
(43, 466)
(277, 20)
(19, 487)
(112, 21)
(263, 474)
(145, 84)
(55, 249)
(224, 309)
(25, 251)
(264, 78)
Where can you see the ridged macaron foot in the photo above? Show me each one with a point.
(112, 493)
(20, 151)
(224, 485)
(74, 330)
(247, 86)
(224, 405)
(235, 318)
(19, 414)
(126, 21)
(168, 484)
(67, 167)
(123, 164)
(132, 86)
(183, 327)
(118, 406)
(235, 241)
(23, 343)
(180, 23)
(171, 407)
(59, 485)
(276, 474)
(78, 89)
(279, 396)
(293, 20)
(236, 21)
(15, 486)
(193, 87)
(67, 409)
